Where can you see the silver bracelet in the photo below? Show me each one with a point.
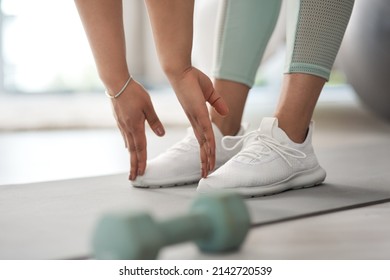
(121, 91)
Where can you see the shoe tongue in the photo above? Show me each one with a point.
(269, 127)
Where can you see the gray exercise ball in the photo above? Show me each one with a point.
(365, 54)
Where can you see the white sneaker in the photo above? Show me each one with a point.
(180, 164)
(268, 163)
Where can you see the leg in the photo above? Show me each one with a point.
(235, 95)
(244, 30)
(314, 33)
(299, 96)
(279, 155)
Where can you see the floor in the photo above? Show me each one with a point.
(350, 142)
(47, 154)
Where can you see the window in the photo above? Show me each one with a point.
(44, 48)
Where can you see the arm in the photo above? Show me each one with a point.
(172, 24)
(103, 24)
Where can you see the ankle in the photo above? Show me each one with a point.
(227, 128)
(228, 125)
(295, 131)
(297, 137)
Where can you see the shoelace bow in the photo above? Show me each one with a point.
(255, 148)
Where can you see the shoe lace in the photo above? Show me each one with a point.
(258, 142)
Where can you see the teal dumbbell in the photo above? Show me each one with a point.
(216, 223)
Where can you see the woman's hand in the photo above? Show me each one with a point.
(194, 89)
(131, 109)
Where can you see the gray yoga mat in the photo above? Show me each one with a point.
(54, 220)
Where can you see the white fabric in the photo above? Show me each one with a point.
(180, 164)
(268, 163)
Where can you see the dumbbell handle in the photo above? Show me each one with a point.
(193, 226)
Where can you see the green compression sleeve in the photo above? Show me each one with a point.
(315, 29)
(245, 27)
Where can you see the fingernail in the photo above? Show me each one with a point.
(160, 131)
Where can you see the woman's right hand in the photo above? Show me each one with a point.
(131, 109)
(194, 90)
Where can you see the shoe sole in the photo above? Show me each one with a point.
(166, 185)
(170, 184)
(301, 180)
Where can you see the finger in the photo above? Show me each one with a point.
(217, 102)
(212, 96)
(202, 152)
(203, 159)
(154, 122)
(208, 133)
(205, 136)
(133, 157)
(207, 160)
(203, 162)
(212, 157)
(139, 140)
(210, 148)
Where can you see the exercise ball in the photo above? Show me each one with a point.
(365, 54)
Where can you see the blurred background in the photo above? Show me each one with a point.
(56, 123)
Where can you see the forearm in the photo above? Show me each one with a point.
(103, 24)
(172, 25)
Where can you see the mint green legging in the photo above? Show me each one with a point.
(315, 29)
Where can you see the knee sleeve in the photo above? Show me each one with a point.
(315, 29)
(245, 27)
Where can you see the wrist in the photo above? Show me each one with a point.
(114, 95)
(114, 83)
(176, 74)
